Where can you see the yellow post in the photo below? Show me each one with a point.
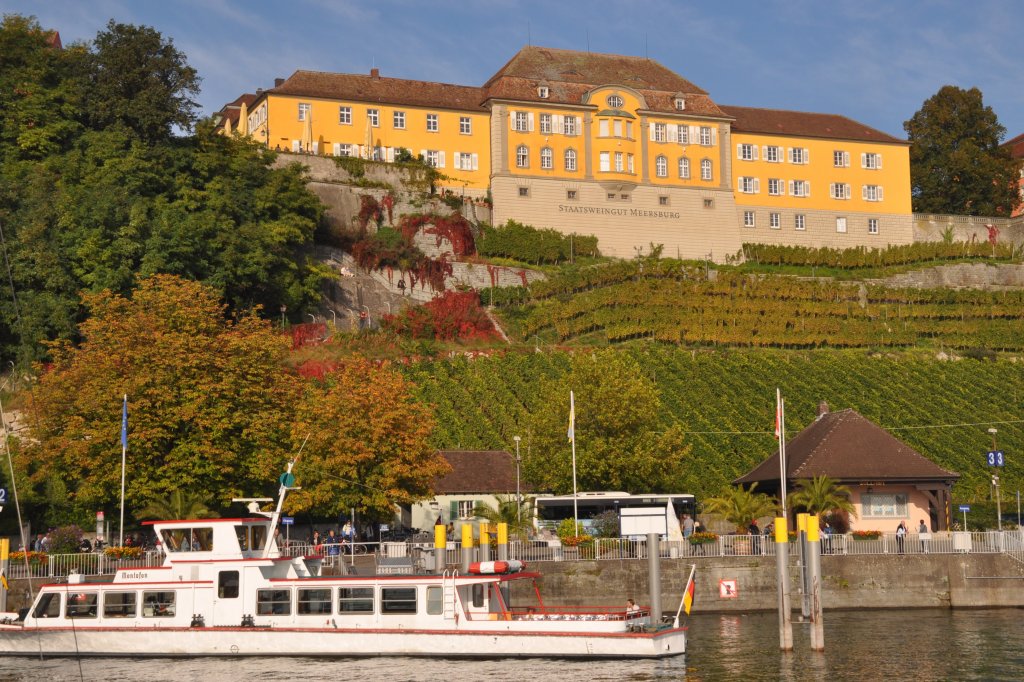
(5, 549)
(502, 534)
(782, 576)
(467, 536)
(781, 532)
(440, 537)
(813, 532)
(801, 523)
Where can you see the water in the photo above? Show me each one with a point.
(864, 645)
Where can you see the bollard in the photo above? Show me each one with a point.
(654, 575)
(440, 547)
(503, 541)
(782, 564)
(805, 578)
(5, 548)
(467, 546)
(485, 541)
(814, 573)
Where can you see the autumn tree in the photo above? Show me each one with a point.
(209, 405)
(956, 163)
(367, 444)
(623, 441)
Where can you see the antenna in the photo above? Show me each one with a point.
(529, 36)
(646, 55)
(588, 40)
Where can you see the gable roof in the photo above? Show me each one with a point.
(849, 448)
(804, 124)
(478, 471)
(231, 110)
(375, 88)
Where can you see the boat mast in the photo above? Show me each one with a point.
(287, 481)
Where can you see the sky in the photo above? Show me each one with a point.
(875, 61)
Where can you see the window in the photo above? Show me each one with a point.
(749, 185)
(478, 596)
(705, 169)
(614, 101)
(465, 125)
(748, 219)
(467, 512)
(570, 194)
(871, 193)
(629, 130)
(773, 154)
(345, 115)
(571, 126)
(706, 136)
(432, 158)
(709, 203)
(800, 221)
(776, 187)
(605, 162)
(346, 150)
(545, 124)
(840, 224)
(799, 155)
(871, 161)
(602, 128)
(624, 197)
(273, 602)
(373, 116)
(399, 119)
(521, 121)
(82, 604)
(661, 167)
(227, 585)
(839, 190)
(775, 221)
(355, 600)
(547, 158)
(746, 152)
(680, 104)
(465, 161)
(304, 111)
(617, 128)
(48, 607)
(570, 159)
(659, 132)
(611, 196)
(618, 162)
(314, 602)
(522, 156)
(435, 601)
(841, 159)
(799, 188)
(684, 168)
(543, 92)
(663, 201)
(683, 134)
(398, 600)
(872, 225)
(119, 605)
(157, 604)
(880, 505)
(431, 123)
(188, 539)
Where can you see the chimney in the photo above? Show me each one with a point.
(278, 82)
(822, 409)
(375, 73)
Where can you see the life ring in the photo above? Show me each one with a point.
(496, 567)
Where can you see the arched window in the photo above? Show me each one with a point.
(661, 167)
(684, 168)
(705, 169)
(570, 159)
(547, 158)
(522, 156)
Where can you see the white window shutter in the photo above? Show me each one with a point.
(864, 192)
(458, 161)
(754, 150)
(511, 120)
(476, 161)
(529, 121)
(714, 136)
(556, 124)
(757, 185)
(807, 188)
(792, 187)
(880, 194)
(650, 131)
(673, 134)
(764, 151)
(878, 159)
(423, 153)
(789, 154)
(694, 134)
(807, 156)
(846, 159)
(846, 192)
(337, 149)
(863, 160)
(832, 190)
(440, 159)
(296, 146)
(391, 154)
(739, 151)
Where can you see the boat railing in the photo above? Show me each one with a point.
(41, 565)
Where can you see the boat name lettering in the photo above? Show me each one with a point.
(137, 575)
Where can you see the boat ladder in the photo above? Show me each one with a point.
(448, 592)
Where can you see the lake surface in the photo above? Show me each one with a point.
(863, 645)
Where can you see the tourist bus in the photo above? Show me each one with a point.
(655, 512)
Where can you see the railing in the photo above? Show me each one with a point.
(89, 563)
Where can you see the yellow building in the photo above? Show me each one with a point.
(615, 146)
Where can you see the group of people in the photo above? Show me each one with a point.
(901, 536)
(333, 543)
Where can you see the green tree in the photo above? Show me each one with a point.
(956, 163)
(508, 510)
(739, 506)
(178, 504)
(820, 495)
(622, 440)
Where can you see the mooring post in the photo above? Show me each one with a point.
(503, 556)
(440, 547)
(485, 541)
(467, 546)
(805, 578)
(654, 575)
(814, 559)
(782, 564)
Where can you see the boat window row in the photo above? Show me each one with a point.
(350, 601)
(188, 539)
(155, 604)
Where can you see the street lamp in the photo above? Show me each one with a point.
(995, 482)
(284, 309)
(519, 499)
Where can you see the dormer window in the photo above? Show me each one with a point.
(614, 101)
(680, 104)
(543, 92)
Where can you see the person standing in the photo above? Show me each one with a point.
(925, 534)
(901, 534)
(755, 540)
(332, 543)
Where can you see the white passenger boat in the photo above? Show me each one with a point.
(225, 589)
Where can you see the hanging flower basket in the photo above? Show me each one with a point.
(122, 552)
(866, 534)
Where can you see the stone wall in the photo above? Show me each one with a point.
(962, 228)
(961, 276)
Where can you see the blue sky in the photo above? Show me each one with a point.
(872, 60)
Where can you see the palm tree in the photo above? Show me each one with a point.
(820, 495)
(518, 517)
(739, 506)
(178, 505)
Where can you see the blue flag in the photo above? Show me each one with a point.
(124, 423)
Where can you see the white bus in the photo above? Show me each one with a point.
(653, 512)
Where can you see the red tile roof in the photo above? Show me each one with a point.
(804, 124)
(849, 448)
(371, 88)
(231, 110)
(1016, 146)
(479, 471)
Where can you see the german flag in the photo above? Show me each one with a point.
(688, 594)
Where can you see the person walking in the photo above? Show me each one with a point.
(901, 534)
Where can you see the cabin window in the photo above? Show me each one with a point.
(243, 537)
(119, 605)
(273, 602)
(398, 600)
(314, 601)
(157, 604)
(48, 607)
(435, 601)
(202, 539)
(355, 600)
(227, 584)
(259, 537)
(478, 595)
(188, 539)
(82, 604)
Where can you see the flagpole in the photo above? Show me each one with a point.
(572, 437)
(124, 456)
(780, 426)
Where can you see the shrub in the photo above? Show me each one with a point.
(866, 534)
(123, 552)
(449, 317)
(65, 540)
(572, 533)
(703, 538)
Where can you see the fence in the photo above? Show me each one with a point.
(92, 563)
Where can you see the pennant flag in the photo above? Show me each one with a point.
(124, 423)
(572, 417)
(3, 581)
(688, 595)
(778, 420)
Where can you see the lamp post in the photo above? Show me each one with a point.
(284, 309)
(519, 498)
(995, 482)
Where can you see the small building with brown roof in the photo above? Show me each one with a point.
(890, 481)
